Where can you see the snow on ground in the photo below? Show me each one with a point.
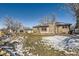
(62, 42)
(19, 45)
(54, 41)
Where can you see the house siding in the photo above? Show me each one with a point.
(53, 29)
(62, 30)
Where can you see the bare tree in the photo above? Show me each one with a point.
(74, 7)
(44, 20)
(12, 24)
(48, 19)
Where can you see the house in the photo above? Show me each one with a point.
(29, 30)
(52, 28)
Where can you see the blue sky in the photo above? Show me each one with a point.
(30, 14)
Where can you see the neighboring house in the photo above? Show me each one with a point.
(29, 30)
(54, 28)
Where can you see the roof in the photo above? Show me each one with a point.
(57, 23)
(27, 29)
(40, 26)
(62, 24)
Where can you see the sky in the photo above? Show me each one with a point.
(29, 14)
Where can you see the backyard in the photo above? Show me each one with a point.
(40, 30)
(36, 45)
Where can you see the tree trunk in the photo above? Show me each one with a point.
(77, 22)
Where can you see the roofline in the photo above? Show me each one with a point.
(40, 26)
(60, 24)
(63, 24)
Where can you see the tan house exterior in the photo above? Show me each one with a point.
(54, 28)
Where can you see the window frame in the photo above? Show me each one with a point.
(44, 28)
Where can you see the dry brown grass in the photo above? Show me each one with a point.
(34, 41)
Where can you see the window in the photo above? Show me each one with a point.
(21, 31)
(44, 29)
(64, 26)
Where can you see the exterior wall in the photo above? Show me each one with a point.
(52, 29)
(62, 30)
(29, 31)
(36, 30)
(40, 31)
(47, 30)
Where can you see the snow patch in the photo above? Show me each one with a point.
(54, 41)
(69, 44)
